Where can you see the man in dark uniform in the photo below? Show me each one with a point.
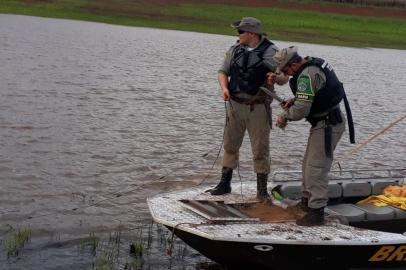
(318, 94)
(244, 71)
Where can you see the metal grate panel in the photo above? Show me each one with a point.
(169, 210)
(216, 210)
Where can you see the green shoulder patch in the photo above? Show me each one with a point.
(304, 88)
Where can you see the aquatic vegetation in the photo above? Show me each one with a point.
(137, 248)
(16, 242)
(144, 246)
(133, 265)
(92, 241)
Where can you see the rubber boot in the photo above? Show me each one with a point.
(315, 217)
(224, 186)
(303, 205)
(262, 186)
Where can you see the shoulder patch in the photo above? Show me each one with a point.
(304, 88)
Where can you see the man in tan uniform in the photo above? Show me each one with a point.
(243, 72)
(318, 94)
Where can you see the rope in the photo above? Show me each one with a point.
(355, 150)
(219, 151)
(239, 176)
(169, 251)
(120, 193)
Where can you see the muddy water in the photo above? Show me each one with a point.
(95, 118)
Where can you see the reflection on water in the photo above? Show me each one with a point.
(95, 118)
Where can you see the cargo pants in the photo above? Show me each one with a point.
(256, 120)
(316, 165)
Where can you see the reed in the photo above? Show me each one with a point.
(124, 248)
(133, 253)
(16, 242)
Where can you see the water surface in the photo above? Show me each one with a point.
(95, 118)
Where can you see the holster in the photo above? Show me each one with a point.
(328, 131)
(331, 119)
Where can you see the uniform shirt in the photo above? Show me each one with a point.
(267, 56)
(309, 82)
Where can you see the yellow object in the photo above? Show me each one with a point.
(399, 191)
(385, 200)
(392, 195)
(389, 253)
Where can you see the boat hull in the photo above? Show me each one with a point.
(245, 255)
(353, 237)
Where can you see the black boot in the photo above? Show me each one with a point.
(314, 217)
(224, 186)
(262, 186)
(303, 204)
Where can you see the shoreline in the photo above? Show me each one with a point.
(285, 21)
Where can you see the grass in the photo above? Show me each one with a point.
(281, 24)
(16, 242)
(144, 246)
(305, 26)
(136, 249)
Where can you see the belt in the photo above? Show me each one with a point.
(333, 117)
(248, 102)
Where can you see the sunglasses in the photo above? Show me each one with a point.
(240, 32)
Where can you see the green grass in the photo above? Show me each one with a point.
(16, 242)
(280, 24)
(305, 26)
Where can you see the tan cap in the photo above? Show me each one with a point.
(248, 24)
(283, 56)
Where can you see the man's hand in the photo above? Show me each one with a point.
(278, 78)
(281, 122)
(223, 81)
(226, 94)
(270, 78)
(288, 103)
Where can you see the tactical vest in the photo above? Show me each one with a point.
(329, 96)
(248, 70)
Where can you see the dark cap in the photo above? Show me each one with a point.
(249, 24)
